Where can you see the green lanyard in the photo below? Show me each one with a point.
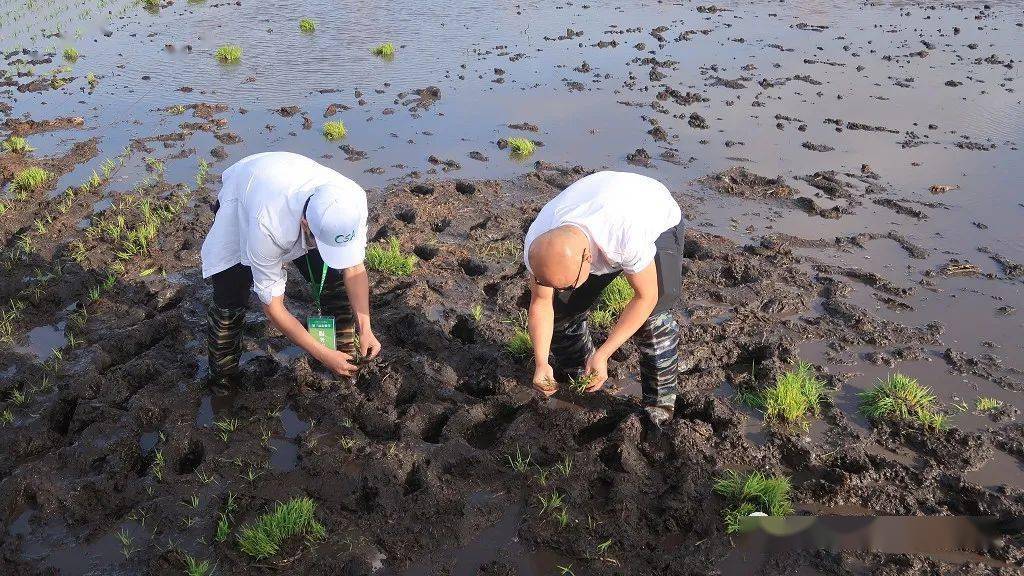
(317, 290)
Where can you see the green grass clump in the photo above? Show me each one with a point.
(753, 492)
(390, 259)
(71, 54)
(229, 53)
(17, 145)
(519, 345)
(334, 130)
(30, 179)
(307, 25)
(985, 404)
(385, 50)
(263, 538)
(796, 394)
(612, 302)
(521, 146)
(901, 397)
(194, 567)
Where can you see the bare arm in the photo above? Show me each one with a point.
(645, 287)
(279, 315)
(357, 285)
(540, 324)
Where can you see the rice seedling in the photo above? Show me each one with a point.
(195, 567)
(611, 303)
(565, 570)
(202, 172)
(477, 312)
(71, 54)
(562, 517)
(6, 418)
(18, 397)
(753, 492)
(17, 145)
(126, 540)
(603, 547)
(30, 179)
(553, 501)
(229, 53)
(542, 476)
(226, 427)
(385, 50)
(601, 319)
(57, 82)
(223, 528)
(795, 394)
(580, 384)
(519, 344)
(158, 465)
(520, 463)
(347, 444)
(334, 130)
(616, 295)
(985, 404)
(390, 259)
(307, 25)
(901, 397)
(92, 80)
(565, 466)
(263, 538)
(521, 147)
(177, 110)
(151, 4)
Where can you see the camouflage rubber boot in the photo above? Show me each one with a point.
(334, 302)
(658, 341)
(224, 327)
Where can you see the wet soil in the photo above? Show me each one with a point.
(864, 245)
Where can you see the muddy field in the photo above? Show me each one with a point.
(852, 180)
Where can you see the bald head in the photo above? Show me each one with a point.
(555, 257)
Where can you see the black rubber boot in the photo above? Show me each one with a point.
(334, 302)
(224, 327)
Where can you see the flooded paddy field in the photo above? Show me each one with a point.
(852, 180)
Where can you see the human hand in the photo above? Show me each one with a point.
(544, 379)
(597, 371)
(369, 346)
(338, 362)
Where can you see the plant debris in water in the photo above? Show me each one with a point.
(385, 50)
(229, 53)
(334, 130)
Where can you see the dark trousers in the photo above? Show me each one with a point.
(657, 339)
(231, 289)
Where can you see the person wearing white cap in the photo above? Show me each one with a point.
(279, 207)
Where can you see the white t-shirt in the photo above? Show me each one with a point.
(257, 225)
(620, 212)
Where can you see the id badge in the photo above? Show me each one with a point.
(322, 328)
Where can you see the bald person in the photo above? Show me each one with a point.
(606, 224)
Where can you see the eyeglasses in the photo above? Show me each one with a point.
(567, 291)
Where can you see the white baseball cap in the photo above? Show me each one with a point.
(337, 218)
